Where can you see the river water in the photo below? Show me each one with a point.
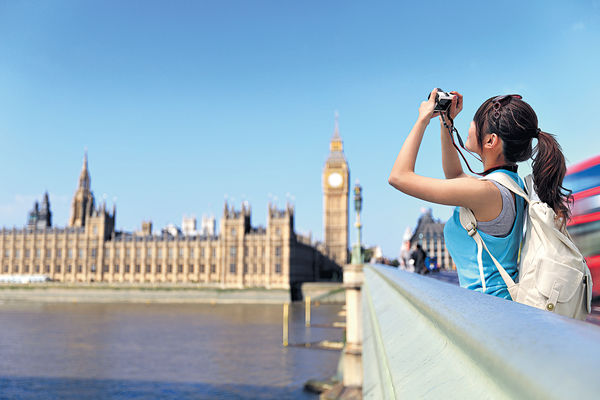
(150, 351)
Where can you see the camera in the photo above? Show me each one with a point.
(442, 101)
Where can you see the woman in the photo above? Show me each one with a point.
(501, 134)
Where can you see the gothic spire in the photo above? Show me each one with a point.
(46, 202)
(336, 130)
(336, 146)
(84, 177)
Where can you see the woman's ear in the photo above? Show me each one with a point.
(491, 140)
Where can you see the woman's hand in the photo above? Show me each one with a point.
(457, 104)
(426, 109)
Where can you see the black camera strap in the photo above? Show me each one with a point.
(451, 129)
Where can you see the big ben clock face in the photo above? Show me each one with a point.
(335, 179)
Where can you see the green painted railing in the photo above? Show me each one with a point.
(423, 338)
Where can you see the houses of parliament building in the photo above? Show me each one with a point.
(90, 249)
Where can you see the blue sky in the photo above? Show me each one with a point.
(184, 103)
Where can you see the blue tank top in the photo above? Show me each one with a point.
(463, 250)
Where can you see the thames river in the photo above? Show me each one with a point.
(148, 351)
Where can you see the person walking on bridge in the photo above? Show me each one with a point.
(501, 135)
(418, 256)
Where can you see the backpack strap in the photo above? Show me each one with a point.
(511, 185)
(468, 221)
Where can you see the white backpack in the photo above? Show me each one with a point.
(553, 275)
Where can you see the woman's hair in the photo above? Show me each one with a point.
(515, 122)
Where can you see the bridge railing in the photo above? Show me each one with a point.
(423, 338)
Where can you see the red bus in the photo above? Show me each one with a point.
(584, 180)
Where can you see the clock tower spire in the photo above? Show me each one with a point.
(336, 175)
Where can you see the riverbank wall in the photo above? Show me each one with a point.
(54, 292)
(60, 293)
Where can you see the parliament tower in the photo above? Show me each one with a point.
(335, 200)
(83, 200)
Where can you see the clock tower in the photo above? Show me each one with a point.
(335, 200)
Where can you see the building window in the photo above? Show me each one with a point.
(158, 268)
(232, 251)
(180, 252)
(128, 253)
(191, 253)
(38, 253)
(59, 253)
(93, 268)
(6, 253)
(169, 268)
(148, 268)
(149, 253)
(6, 268)
(95, 230)
(127, 268)
(138, 252)
(18, 253)
(159, 253)
(213, 268)
(262, 268)
(116, 267)
(278, 251)
(170, 253)
(47, 269)
(202, 268)
(214, 251)
(58, 268)
(48, 253)
(69, 268)
(232, 231)
(245, 268)
(70, 253)
(79, 268)
(105, 268)
(37, 269)
(137, 268)
(93, 253)
(26, 268)
(277, 268)
(80, 253)
(202, 253)
(117, 253)
(27, 253)
(180, 268)
(191, 268)
(255, 268)
(232, 268)
(278, 231)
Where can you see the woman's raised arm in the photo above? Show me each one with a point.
(465, 191)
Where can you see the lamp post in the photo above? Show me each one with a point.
(357, 254)
(353, 280)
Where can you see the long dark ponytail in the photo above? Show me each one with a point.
(549, 169)
(515, 122)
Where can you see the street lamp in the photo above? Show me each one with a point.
(357, 254)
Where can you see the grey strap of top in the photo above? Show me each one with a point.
(503, 223)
